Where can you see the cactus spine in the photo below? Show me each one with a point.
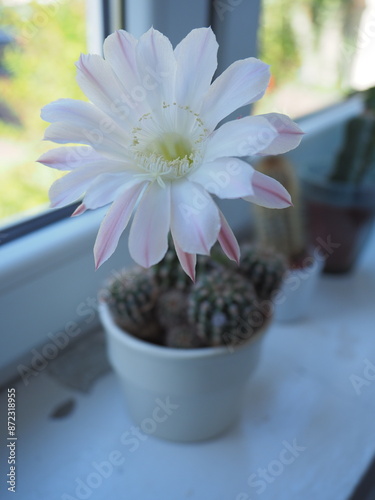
(263, 268)
(131, 296)
(217, 304)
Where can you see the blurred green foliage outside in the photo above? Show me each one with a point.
(37, 67)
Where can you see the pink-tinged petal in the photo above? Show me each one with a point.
(148, 237)
(268, 192)
(195, 221)
(187, 260)
(157, 66)
(115, 222)
(242, 83)
(81, 122)
(225, 178)
(289, 134)
(196, 57)
(72, 186)
(120, 52)
(81, 209)
(84, 114)
(70, 157)
(100, 84)
(244, 137)
(228, 241)
(105, 187)
(106, 145)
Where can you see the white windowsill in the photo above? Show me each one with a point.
(302, 390)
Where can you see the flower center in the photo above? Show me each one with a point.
(171, 146)
(168, 145)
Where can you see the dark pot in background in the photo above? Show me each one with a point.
(340, 215)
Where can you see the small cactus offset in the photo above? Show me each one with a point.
(171, 308)
(131, 296)
(282, 230)
(263, 268)
(218, 302)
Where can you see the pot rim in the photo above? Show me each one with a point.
(167, 352)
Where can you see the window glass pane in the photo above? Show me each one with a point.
(319, 51)
(39, 43)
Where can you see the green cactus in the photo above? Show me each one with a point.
(218, 303)
(131, 295)
(357, 156)
(169, 274)
(183, 336)
(282, 230)
(171, 308)
(264, 268)
(223, 307)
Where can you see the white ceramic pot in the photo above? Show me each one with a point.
(180, 394)
(294, 298)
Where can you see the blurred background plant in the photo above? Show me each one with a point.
(319, 51)
(355, 162)
(283, 230)
(38, 67)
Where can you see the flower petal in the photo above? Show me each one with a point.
(244, 137)
(104, 189)
(228, 241)
(120, 52)
(268, 192)
(70, 158)
(106, 145)
(148, 237)
(69, 188)
(81, 122)
(115, 222)
(242, 83)
(289, 135)
(81, 209)
(100, 84)
(156, 61)
(196, 57)
(195, 221)
(225, 178)
(188, 261)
